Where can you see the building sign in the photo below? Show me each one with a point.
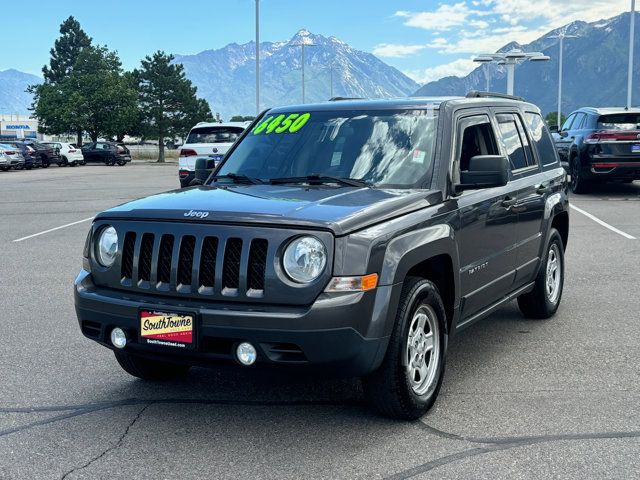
(17, 127)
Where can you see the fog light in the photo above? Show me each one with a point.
(118, 338)
(246, 353)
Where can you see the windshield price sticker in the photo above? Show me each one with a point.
(282, 123)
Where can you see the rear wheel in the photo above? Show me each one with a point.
(45, 164)
(5, 169)
(578, 183)
(408, 381)
(544, 299)
(149, 369)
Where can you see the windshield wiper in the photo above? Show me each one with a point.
(317, 179)
(238, 178)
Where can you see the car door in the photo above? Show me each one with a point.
(532, 189)
(89, 152)
(487, 232)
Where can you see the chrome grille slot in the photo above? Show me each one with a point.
(231, 267)
(164, 261)
(185, 263)
(207, 268)
(144, 262)
(257, 266)
(126, 268)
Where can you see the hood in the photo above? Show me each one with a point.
(341, 210)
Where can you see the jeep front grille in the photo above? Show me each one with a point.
(192, 269)
(195, 261)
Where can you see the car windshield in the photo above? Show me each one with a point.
(620, 121)
(214, 134)
(393, 148)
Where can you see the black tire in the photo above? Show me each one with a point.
(149, 369)
(45, 164)
(121, 163)
(83, 162)
(388, 389)
(539, 303)
(5, 169)
(578, 184)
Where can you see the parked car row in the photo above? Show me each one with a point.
(600, 145)
(29, 153)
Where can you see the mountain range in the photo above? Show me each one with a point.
(226, 77)
(13, 95)
(594, 68)
(595, 72)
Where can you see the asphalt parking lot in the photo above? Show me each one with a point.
(521, 398)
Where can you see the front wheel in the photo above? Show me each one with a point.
(149, 369)
(45, 164)
(408, 381)
(544, 299)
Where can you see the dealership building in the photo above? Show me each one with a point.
(18, 126)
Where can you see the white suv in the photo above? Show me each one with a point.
(207, 140)
(69, 153)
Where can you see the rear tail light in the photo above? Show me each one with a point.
(9, 152)
(183, 173)
(188, 152)
(604, 136)
(71, 150)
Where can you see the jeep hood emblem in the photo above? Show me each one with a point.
(196, 214)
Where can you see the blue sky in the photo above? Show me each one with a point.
(426, 39)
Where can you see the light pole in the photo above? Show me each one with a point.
(561, 37)
(257, 57)
(510, 59)
(631, 43)
(302, 46)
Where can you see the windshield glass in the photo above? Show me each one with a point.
(384, 147)
(620, 121)
(214, 134)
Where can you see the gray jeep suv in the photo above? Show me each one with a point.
(355, 237)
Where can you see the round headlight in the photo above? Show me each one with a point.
(304, 259)
(107, 246)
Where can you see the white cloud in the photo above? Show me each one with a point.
(396, 50)
(458, 68)
(443, 18)
(485, 40)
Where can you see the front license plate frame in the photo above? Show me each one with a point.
(167, 329)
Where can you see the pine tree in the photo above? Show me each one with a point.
(65, 51)
(167, 99)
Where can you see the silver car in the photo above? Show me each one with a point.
(10, 157)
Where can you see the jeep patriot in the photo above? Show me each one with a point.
(354, 237)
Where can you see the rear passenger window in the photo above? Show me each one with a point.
(515, 141)
(541, 138)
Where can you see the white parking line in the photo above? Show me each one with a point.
(53, 229)
(603, 223)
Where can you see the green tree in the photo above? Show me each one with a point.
(65, 51)
(101, 97)
(168, 102)
(48, 98)
(552, 119)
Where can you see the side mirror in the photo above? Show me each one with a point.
(485, 171)
(554, 129)
(563, 133)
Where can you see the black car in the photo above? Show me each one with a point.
(31, 157)
(45, 153)
(599, 145)
(109, 153)
(351, 237)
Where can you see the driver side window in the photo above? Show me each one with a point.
(475, 137)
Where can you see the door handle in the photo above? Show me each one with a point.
(508, 202)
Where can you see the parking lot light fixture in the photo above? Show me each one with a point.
(510, 59)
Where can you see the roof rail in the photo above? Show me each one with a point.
(477, 94)
(340, 99)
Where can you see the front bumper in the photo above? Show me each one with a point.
(332, 335)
